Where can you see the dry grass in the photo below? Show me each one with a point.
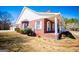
(12, 41)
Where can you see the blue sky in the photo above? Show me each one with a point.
(66, 11)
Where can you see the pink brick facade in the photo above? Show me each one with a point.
(43, 31)
(51, 23)
(39, 32)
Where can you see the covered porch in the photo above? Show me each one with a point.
(53, 26)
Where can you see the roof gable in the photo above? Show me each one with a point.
(29, 14)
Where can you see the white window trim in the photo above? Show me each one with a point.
(39, 25)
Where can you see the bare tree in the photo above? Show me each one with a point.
(5, 20)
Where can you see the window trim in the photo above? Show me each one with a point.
(40, 24)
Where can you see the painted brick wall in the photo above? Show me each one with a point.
(39, 32)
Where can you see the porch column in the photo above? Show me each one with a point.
(56, 28)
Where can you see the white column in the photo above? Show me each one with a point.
(56, 26)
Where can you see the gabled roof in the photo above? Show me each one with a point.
(29, 14)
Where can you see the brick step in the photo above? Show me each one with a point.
(49, 35)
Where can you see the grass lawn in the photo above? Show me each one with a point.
(13, 41)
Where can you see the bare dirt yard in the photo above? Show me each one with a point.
(15, 42)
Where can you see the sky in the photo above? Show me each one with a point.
(66, 11)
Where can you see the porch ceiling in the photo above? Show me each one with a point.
(52, 18)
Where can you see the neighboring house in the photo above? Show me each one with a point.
(12, 27)
(44, 24)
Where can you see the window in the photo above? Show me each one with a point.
(24, 25)
(38, 25)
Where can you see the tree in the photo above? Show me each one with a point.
(71, 20)
(5, 20)
(71, 23)
(65, 21)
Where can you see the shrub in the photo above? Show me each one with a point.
(29, 32)
(66, 34)
(18, 30)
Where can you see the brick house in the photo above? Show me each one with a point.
(44, 24)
